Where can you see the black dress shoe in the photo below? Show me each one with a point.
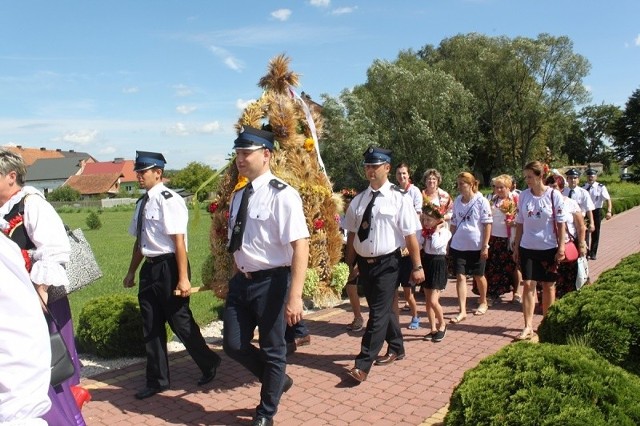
(388, 359)
(148, 392)
(303, 341)
(211, 374)
(357, 374)
(291, 347)
(288, 382)
(262, 421)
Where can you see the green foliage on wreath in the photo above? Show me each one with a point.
(111, 327)
(542, 384)
(604, 316)
(311, 281)
(339, 276)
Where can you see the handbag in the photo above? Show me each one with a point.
(61, 363)
(571, 253)
(82, 269)
(582, 277)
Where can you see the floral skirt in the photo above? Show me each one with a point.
(566, 282)
(500, 268)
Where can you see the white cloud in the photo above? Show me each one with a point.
(185, 109)
(281, 14)
(227, 58)
(107, 150)
(182, 90)
(209, 127)
(178, 129)
(80, 137)
(241, 104)
(320, 3)
(636, 41)
(343, 10)
(132, 89)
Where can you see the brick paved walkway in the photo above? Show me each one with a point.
(414, 391)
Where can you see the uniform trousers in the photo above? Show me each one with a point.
(158, 306)
(259, 303)
(593, 238)
(379, 281)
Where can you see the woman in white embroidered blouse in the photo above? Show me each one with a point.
(537, 249)
(470, 229)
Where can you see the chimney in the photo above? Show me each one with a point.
(43, 149)
(58, 150)
(72, 150)
(19, 146)
(118, 160)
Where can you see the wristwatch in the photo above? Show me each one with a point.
(486, 246)
(418, 268)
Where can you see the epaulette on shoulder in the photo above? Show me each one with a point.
(277, 184)
(400, 190)
(167, 194)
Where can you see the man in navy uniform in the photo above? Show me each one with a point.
(269, 240)
(580, 196)
(599, 194)
(379, 221)
(160, 227)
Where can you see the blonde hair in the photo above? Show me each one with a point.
(505, 180)
(432, 172)
(469, 179)
(12, 162)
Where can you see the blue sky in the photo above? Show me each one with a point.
(110, 77)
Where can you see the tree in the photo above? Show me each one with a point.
(422, 114)
(627, 133)
(64, 193)
(523, 87)
(191, 177)
(592, 134)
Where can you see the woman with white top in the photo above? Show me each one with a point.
(470, 228)
(435, 195)
(436, 236)
(500, 264)
(536, 247)
(575, 226)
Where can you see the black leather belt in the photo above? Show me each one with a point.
(160, 258)
(374, 260)
(261, 275)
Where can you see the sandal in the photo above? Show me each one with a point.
(414, 324)
(458, 319)
(527, 334)
(482, 309)
(405, 308)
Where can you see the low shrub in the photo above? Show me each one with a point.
(604, 316)
(542, 384)
(111, 327)
(93, 220)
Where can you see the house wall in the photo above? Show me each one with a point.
(46, 186)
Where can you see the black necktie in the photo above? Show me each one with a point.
(365, 225)
(143, 203)
(241, 220)
(571, 191)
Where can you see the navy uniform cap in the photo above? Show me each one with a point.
(572, 172)
(148, 160)
(374, 156)
(591, 172)
(252, 138)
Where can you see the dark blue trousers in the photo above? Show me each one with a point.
(379, 282)
(259, 303)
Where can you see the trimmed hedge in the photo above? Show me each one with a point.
(543, 384)
(111, 327)
(604, 316)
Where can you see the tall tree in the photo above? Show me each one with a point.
(422, 113)
(523, 87)
(627, 133)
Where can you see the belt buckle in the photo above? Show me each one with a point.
(371, 260)
(247, 275)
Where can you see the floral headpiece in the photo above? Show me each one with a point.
(349, 193)
(430, 209)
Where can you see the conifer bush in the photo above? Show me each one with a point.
(93, 220)
(544, 384)
(604, 316)
(111, 327)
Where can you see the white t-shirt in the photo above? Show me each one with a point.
(499, 227)
(25, 354)
(571, 207)
(536, 216)
(469, 218)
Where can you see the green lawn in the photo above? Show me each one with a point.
(112, 246)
